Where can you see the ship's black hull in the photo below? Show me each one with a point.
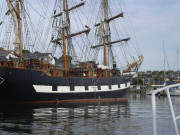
(19, 85)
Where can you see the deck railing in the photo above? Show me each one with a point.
(166, 89)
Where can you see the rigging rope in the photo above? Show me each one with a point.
(31, 26)
(82, 37)
(133, 33)
(127, 31)
(4, 17)
(48, 30)
(36, 10)
(41, 25)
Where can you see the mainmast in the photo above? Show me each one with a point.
(104, 38)
(63, 38)
(104, 34)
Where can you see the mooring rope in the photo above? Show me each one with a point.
(2, 80)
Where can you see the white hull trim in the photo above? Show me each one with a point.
(78, 89)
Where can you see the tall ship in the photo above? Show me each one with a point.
(65, 61)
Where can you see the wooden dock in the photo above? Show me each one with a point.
(138, 91)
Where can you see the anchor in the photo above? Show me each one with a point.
(2, 80)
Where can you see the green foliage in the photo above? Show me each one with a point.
(26, 51)
(36, 52)
(138, 81)
(55, 59)
(68, 58)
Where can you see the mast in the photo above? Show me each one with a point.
(62, 35)
(164, 64)
(15, 12)
(19, 30)
(104, 33)
(64, 40)
(104, 38)
(177, 64)
(81, 4)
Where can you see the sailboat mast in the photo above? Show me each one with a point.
(104, 38)
(64, 41)
(164, 63)
(19, 30)
(177, 64)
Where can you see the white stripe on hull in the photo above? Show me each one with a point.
(78, 89)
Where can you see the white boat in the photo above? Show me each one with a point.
(153, 88)
(174, 91)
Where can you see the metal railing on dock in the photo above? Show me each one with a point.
(170, 104)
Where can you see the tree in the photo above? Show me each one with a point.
(138, 81)
(36, 52)
(68, 58)
(26, 51)
(55, 58)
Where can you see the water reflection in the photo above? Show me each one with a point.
(15, 119)
(97, 118)
(116, 118)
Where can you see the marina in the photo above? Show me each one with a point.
(77, 67)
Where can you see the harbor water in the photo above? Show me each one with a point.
(133, 117)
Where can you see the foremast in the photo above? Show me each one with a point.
(15, 12)
(64, 38)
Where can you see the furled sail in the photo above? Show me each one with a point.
(103, 30)
(16, 40)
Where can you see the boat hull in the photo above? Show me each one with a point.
(175, 92)
(20, 85)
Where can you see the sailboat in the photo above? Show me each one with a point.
(26, 77)
(176, 91)
(158, 86)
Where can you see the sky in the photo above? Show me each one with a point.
(154, 21)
